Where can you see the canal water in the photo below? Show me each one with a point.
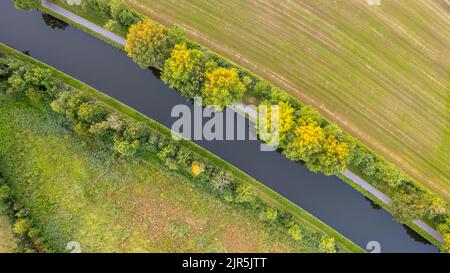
(111, 71)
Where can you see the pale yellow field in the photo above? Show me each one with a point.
(6, 236)
(381, 71)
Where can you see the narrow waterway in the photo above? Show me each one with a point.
(111, 71)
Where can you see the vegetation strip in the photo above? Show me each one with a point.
(390, 174)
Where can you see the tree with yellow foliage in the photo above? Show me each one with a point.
(277, 120)
(149, 44)
(197, 168)
(308, 138)
(447, 241)
(183, 71)
(222, 87)
(334, 156)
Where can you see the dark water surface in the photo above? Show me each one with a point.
(111, 71)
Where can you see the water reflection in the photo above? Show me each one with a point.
(54, 22)
(373, 204)
(414, 235)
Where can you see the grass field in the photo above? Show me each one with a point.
(6, 235)
(380, 71)
(81, 193)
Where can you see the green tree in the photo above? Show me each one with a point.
(32, 81)
(68, 104)
(183, 71)
(122, 14)
(222, 87)
(92, 112)
(28, 5)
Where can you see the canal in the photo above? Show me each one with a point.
(108, 69)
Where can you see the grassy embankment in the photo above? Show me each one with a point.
(82, 179)
(377, 71)
(7, 241)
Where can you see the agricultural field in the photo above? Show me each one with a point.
(377, 68)
(77, 191)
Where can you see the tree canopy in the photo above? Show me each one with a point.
(222, 87)
(183, 71)
(149, 44)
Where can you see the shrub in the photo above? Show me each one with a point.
(184, 157)
(126, 148)
(295, 232)
(68, 103)
(113, 26)
(171, 164)
(245, 194)
(122, 14)
(22, 226)
(136, 130)
(28, 79)
(222, 181)
(271, 214)
(197, 168)
(407, 207)
(102, 130)
(327, 244)
(92, 112)
(262, 90)
(167, 152)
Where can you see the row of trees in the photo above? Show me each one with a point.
(194, 73)
(302, 138)
(190, 71)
